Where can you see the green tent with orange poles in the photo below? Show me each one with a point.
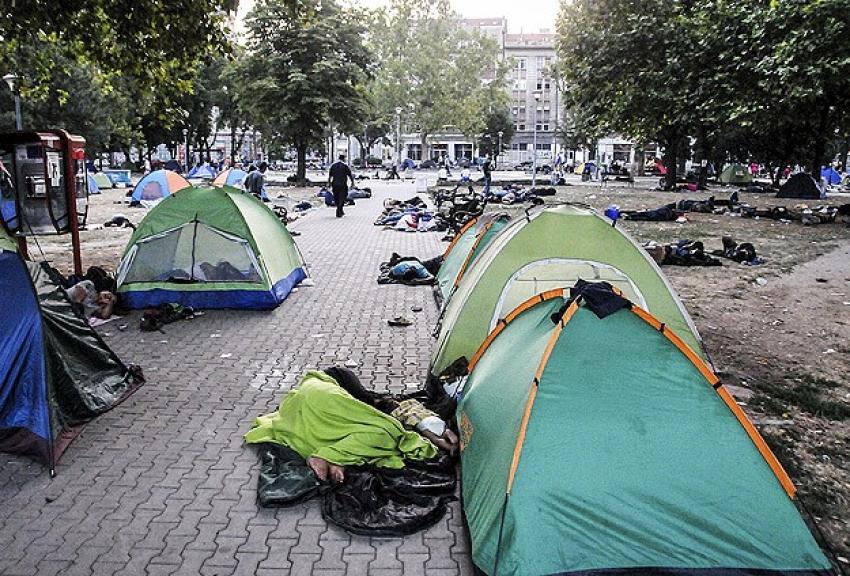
(547, 249)
(604, 445)
(466, 246)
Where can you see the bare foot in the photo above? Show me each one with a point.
(319, 467)
(447, 442)
(336, 473)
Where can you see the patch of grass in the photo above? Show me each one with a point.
(768, 405)
(807, 395)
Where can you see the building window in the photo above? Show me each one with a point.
(463, 151)
(542, 147)
(515, 110)
(516, 146)
(520, 127)
(414, 151)
(542, 127)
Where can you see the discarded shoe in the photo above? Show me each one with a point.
(399, 321)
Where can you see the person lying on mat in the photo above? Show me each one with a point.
(93, 303)
(331, 429)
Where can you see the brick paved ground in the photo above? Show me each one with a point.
(164, 485)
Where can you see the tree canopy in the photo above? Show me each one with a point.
(766, 81)
(303, 71)
(437, 72)
(149, 40)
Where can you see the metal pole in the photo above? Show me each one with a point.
(499, 151)
(534, 149)
(186, 148)
(19, 120)
(398, 136)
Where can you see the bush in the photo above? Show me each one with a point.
(372, 161)
(357, 162)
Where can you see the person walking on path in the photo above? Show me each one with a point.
(487, 175)
(338, 177)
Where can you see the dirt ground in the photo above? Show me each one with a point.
(778, 333)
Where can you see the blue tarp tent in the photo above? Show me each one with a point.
(204, 171)
(93, 189)
(55, 371)
(830, 176)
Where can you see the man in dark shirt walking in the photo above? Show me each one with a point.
(487, 175)
(338, 177)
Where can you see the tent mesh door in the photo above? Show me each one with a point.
(193, 252)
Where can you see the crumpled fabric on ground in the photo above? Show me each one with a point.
(319, 418)
(371, 501)
(744, 253)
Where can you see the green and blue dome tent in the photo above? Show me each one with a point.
(210, 248)
(56, 373)
(551, 248)
(602, 446)
(466, 246)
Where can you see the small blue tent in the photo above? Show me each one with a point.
(204, 171)
(830, 176)
(93, 189)
(55, 371)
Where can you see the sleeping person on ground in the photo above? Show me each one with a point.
(333, 422)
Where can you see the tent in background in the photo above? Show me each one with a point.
(466, 246)
(210, 248)
(174, 166)
(204, 171)
(551, 248)
(102, 180)
(801, 185)
(92, 184)
(156, 185)
(830, 176)
(606, 446)
(230, 177)
(735, 174)
(56, 372)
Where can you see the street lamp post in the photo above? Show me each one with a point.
(12, 82)
(398, 136)
(499, 151)
(186, 147)
(534, 142)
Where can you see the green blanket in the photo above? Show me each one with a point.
(321, 419)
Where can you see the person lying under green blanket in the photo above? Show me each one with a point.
(330, 429)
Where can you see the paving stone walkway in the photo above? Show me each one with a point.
(163, 483)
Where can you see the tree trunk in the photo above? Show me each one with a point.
(301, 171)
(775, 176)
(671, 149)
(423, 139)
(640, 153)
(819, 148)
(240, 141)
(702, 153)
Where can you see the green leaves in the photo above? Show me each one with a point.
(744, 75)
(303, 70)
